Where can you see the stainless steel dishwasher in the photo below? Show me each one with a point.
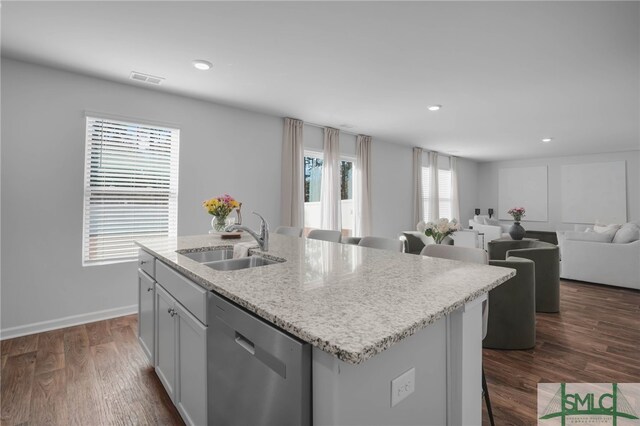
(257, 374)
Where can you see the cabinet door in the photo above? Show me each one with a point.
(146, 319)
(192, 368)
(165, 359)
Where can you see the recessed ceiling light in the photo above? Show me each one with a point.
(435, 107)
(202, 65)
(547, 140)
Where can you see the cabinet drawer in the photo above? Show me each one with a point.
(147, 263)
(190, 295)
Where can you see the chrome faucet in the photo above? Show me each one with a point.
(262, 239)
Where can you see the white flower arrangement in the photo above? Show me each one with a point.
(439, 230)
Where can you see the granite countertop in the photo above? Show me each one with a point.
(350, 301)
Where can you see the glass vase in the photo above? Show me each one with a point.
(219, 223)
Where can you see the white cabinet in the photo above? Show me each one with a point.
(166, 340)
(172, 332)
(146, 320)
(191, 368)
(181, 357)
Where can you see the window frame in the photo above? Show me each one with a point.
(314, 153)
(111, 187)
(441, 200)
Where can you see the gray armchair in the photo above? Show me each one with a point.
(351, 240)
(414, 241)
(512, 308)
(547, 268)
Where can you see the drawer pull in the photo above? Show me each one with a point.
(150, 288)
(171, 312)
(142, 262)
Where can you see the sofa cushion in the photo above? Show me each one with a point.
(491, 222)
(605, 228)
(629, 233)
(596, 237)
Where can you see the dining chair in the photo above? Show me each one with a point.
(381, 243)
(290, 231)
(473, 255)
(325, 235)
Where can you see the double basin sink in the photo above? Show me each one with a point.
(222, 260)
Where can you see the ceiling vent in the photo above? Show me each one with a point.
(146, 78)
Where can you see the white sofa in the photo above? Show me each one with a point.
(491, 232)
(611, 263)
(466, 238)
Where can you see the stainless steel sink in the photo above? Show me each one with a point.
(210, 255)
(242, 263)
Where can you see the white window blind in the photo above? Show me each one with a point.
(444, 192)
(130, 188)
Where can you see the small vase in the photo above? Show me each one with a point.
(219, 223)
(516, 231)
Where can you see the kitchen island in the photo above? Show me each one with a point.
(394, 338)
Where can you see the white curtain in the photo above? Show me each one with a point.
(330, 214)
(292, 184)
(434, 195)
(455, 196)
(362, 187)
(418, 201)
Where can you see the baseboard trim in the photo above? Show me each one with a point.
(39, 327)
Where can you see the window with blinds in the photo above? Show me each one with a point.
(444, 192)
(130, 188)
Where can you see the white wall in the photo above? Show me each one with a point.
(392, 189)
(222, 149)
(488, 184)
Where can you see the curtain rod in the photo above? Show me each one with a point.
(322, 127)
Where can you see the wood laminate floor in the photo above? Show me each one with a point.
(92, 374)
(594, 339)
(96, 374)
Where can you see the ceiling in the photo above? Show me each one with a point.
(507, 73)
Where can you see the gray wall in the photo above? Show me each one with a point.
(42, 168)
(488, 184)
(43, 127)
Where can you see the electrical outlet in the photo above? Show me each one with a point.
(403, 386)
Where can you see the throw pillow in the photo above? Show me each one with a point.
(606, 228)
(492, 222)
(595, 237)
(629, 233)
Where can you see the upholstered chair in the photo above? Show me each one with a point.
(473, 255)
(351, 240)
(290, 231)
(547, 268)
(381, 243)
(414, 241)
(325, 235)
(512, 308)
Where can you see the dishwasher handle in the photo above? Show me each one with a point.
(246, 344)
